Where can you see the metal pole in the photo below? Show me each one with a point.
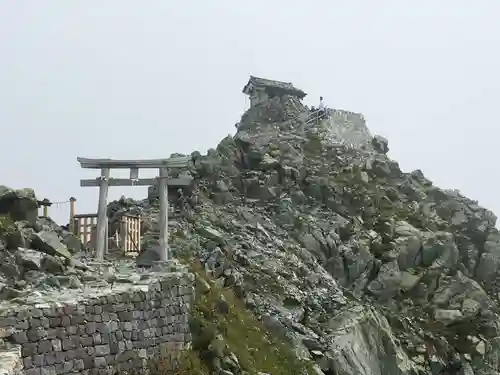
(102, 215)
(163, 193)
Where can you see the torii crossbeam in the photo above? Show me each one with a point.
(104, 181)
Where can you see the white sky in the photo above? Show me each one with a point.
(130, 79)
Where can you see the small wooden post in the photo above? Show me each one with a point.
(138, 237)
(123, 234)
(71, 224)
(163, 194)
(45, 203)
(102, 221)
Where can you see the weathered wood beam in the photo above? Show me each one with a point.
(177, 162)
(175, 182)
(134, 173)
(80, 216)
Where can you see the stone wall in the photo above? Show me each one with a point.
(349, 127)
(101, 331)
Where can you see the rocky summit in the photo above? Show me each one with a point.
(313, 253)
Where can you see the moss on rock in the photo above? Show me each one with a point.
(227, 336)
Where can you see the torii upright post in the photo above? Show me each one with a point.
(163, 193)
(103, 182)
(102, 215)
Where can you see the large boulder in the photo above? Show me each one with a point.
(19, 204)
(380, 144)
(29, 260)
(72, 242)
(148, 258)
(388, 281)
(363, 343)
(49, 243)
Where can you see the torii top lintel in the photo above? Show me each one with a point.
(176, 162)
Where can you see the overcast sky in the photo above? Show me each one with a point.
(144, 79)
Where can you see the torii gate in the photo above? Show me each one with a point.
(104, 181)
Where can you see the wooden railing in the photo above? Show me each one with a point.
(126, 239)
(84, 228)
(317, 115)
(127, 236)
(130, 235)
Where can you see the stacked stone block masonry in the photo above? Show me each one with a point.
(103, 332)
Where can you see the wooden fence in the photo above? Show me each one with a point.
(130, 234)
(126, 238)
(84, 228)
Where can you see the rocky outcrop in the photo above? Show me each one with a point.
(36, 255)
(361, 267)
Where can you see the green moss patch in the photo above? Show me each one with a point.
(6, 225)
(224, 330)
